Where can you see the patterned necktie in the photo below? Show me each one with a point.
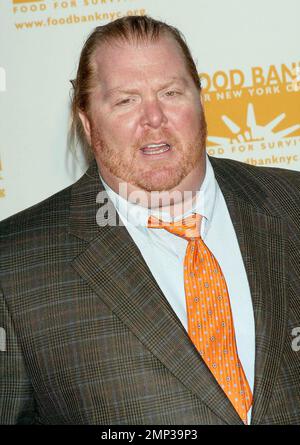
(210, 323)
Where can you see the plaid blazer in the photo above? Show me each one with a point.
(90, 337)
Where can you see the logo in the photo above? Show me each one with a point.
(28, 6)
(32, 14)
(254, 131)
(259, 123)
(16, 2)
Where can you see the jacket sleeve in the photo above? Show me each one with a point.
(17, 405)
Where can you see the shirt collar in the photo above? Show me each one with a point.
(137, 215)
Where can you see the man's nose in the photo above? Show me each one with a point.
(153, 114)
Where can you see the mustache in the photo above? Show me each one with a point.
(151, 137)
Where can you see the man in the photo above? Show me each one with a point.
(182, 309)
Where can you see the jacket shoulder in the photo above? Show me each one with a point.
(268, 178)
(275, 191)
(49, 214)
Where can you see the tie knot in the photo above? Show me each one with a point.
(186, 228)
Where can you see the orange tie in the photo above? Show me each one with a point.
(210, 323)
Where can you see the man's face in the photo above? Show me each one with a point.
(146, 124)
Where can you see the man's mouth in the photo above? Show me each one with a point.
(155, 149)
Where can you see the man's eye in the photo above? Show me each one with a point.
(125, 101)
(172, 93)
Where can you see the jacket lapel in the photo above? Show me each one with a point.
(262, 237)
(113, 267)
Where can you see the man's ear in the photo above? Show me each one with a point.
(86, 125)
(202, 98)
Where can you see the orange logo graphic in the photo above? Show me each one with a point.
(258, 124)
(253, 131)
(15, 2)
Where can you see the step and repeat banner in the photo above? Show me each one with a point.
(247, 55)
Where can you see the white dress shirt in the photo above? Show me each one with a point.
(219, 235)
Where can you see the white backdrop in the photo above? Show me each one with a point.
(247, 52)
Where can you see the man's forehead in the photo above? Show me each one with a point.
(117, 47)
(122, 64)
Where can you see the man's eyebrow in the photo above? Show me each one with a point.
(122, 90)
(172, 80)
(125, 90)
